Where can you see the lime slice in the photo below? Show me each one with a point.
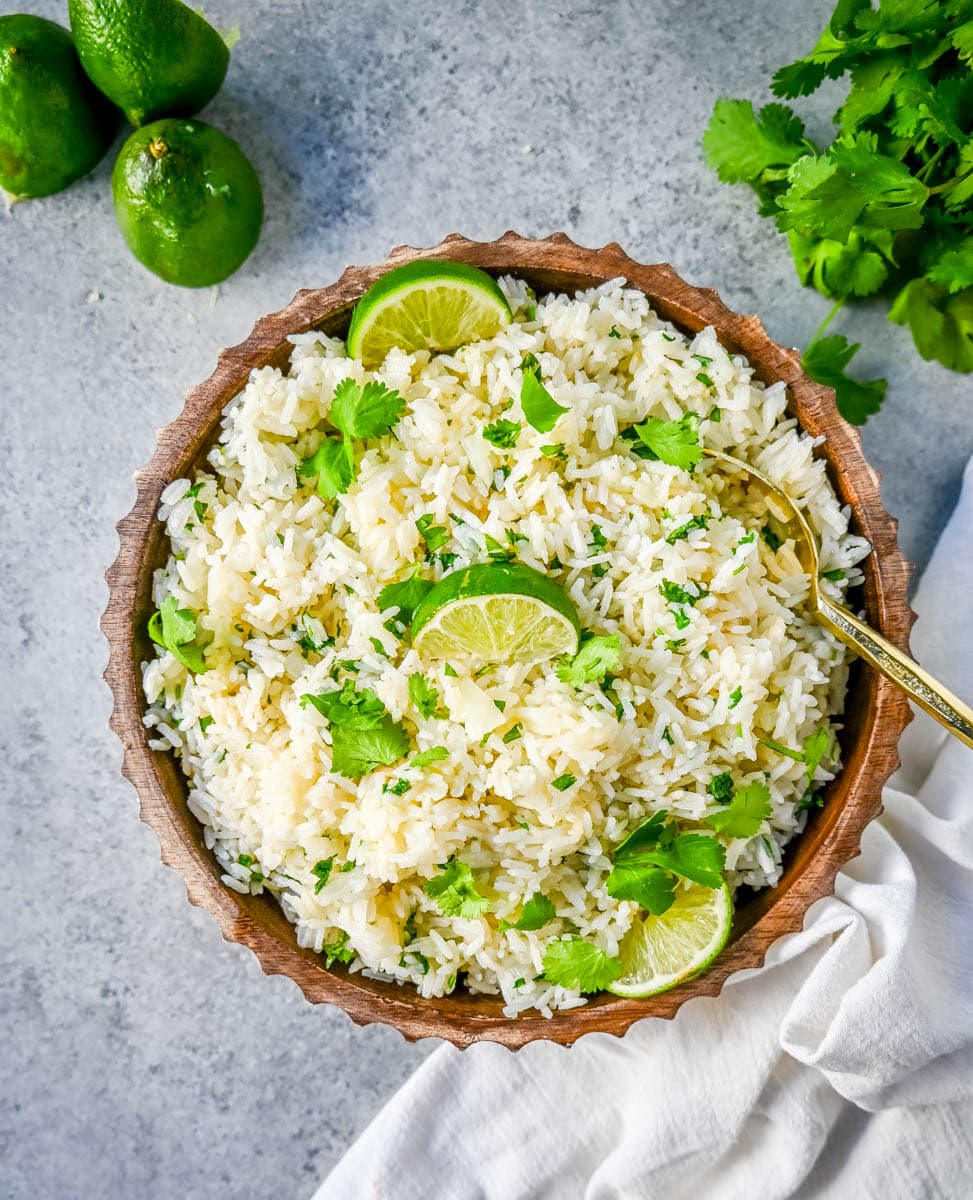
(426, 306)
(496, 612)
(658, 953)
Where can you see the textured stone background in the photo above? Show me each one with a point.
(141, 1056)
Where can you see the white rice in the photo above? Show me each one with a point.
(268, 552)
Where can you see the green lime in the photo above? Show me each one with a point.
(187, 200)
(496, 612)
(426, 306)
(54, 125)
(154, 58)
(658, 953)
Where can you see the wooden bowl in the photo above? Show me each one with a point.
(875, 716)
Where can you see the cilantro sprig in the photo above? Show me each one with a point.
(176, 629)
(888, 205)
(598, 656)
(575, 963)
(358, 411)
(646, 864)
(541, 410)
(363, 735)
(455, 892)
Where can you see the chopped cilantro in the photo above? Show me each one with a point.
(537, 912)
(512, 734)
(448, 670)
(332, 467)
(455, 892)
(746, 812)
(674, 593)
(420, 960)
(399, 788)
(563, 782)
(835, 576)
(245, 860)
(675, 643)
(405, 596)
(175, 629)
(205, 723)
(721, 787)
(700, 521)
(815, 748)
(379, 646)
(574, 963)
(680, 617)
(365, 410)
(503, 434)
(355, 752)
(322, 871)
(597, 657)
(771, 538)
(435, 536)
(540, 408)
(613, 332)
(337, 951)
(736, 696)
(675, 443)
(433, 755)
(556, 451)
(705, 380)
(423, 695)
(785, 750)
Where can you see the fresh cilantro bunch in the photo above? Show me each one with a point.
(888, 206)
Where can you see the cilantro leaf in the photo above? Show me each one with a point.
(674, 593)
(721, 788)
(953, 270)
(356, 752)
(941, 325)
(541, 410)
(332, 466)
(695, 856)
(675, 443)
(825, 361)
(365, 410)
(435, 536)
(337, 951)
(322, 870)
(650, 887)
(574, 963)
(537, 912)
(597, 657)
(425, 757)
(815, 748)
(423, 695)
(838, 269)
(503, 434)
(406, 596)
(455, 892)
(740, 144)
(348, 708)
(563, 782)
(745, 813)
(175, 629)
(852, 184)
(700, 521)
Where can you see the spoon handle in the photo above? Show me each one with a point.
(931, 696)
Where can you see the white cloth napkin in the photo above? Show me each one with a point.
(842, 1069)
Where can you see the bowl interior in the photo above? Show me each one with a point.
(831, 835)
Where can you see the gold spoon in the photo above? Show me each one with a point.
(931, 696)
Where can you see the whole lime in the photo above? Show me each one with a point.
(187, 200)
(54, 125)
(154, 58)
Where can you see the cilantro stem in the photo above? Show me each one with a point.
(950, 183)
(833, 312)
(931, 163)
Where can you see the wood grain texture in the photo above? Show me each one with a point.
(876, 711)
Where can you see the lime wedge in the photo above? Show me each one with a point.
(426, 306)
(493, 613)
(658, 953)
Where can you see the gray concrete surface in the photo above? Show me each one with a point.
(140, 1056)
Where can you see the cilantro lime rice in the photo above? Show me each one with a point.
(457, 823)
